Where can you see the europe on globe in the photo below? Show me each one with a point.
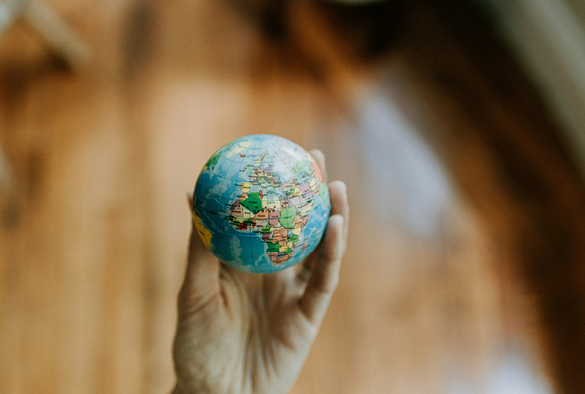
(261, 204)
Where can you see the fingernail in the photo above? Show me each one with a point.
(342, 186)
(337, 216)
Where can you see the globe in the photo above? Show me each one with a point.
(261, 204)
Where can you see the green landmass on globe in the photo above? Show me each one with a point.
(261, 203)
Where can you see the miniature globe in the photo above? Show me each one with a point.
(261, 204)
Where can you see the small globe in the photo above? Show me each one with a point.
(261, 204)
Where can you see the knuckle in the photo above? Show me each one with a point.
(191, 303)
(327, 286)
(331, 286)
(185, 297)
(188, 295)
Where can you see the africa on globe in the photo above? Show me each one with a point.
(261, 204)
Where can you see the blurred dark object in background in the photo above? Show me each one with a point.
(367, 28)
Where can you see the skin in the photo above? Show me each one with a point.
(241, 333)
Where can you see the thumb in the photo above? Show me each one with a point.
(202, 273)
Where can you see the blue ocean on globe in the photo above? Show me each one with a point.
(261, 204)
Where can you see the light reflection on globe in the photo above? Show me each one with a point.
(261, 204)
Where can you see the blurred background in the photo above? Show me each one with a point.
(456, 124)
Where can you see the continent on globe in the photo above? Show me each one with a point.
(261, 203)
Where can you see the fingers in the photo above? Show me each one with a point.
(325, 263)
(202, 274)
(325, 276)
(337, 192)
(340, 206)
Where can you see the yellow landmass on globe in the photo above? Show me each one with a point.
(204, 233)
(314, 186)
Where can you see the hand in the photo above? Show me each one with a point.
(246, 333)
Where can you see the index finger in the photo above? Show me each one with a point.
(326, 259)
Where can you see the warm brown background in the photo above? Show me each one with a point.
(481, 294)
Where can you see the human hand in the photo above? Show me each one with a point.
(240, 333)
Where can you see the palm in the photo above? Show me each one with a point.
(248, 333)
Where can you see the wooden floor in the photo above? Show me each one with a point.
(94, 227)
